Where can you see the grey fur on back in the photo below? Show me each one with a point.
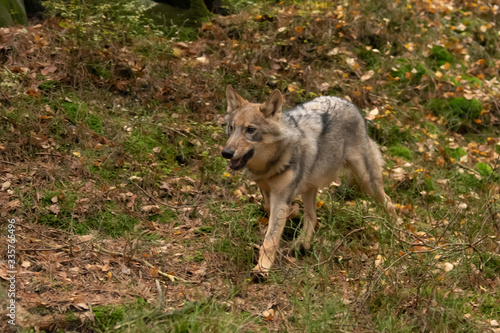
(326, 132)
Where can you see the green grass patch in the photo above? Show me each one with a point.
(457, 111)
(80, 112)
(401, 151)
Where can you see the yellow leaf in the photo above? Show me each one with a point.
(320, 204)
(292, 87)
(299, 29)
(77, 154)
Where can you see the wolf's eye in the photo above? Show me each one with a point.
(250, 130)
(230, 128)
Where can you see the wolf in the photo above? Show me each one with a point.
(294, 153)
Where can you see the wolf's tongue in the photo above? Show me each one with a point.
(236, 164)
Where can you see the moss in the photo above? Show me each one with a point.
(105, 317)
(456, 110)
(441, 55)
(78, 112)
(401, 151)
(464, 108)
(455, 153)
(404, 66)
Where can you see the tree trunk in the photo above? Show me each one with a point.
(12, 12)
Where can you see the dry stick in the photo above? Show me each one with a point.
(170, 276)
(175, 130)
(54, 248)
(338, 245)
(402, 231)
(160, 294)
(496, 103)
(466, 245)
(469, 169)
(161, 202)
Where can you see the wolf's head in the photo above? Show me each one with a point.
(251, 128)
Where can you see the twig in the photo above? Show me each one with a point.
(400, 230)
(100, 249)
(463, 245)
(53, 248)
(175, 130)
(160, 294)
(161, 202)
(338, 245)
(170, 276)
(467, 168)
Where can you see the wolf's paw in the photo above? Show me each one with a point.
(259, 273)
(302, 246)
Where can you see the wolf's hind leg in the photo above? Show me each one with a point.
(368, 171)
(310, 219)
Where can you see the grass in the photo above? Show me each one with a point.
(114, 156)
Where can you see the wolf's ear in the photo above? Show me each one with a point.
(272, 107)
(234, 101)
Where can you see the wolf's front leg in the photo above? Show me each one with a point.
(310, 220)
(277, 220)
(293, 208)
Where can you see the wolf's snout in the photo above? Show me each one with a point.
(227, 153)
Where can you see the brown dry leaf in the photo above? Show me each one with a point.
(14, 204)
(153, 271)
(299, 29)
(48, 70)
(372, 114)
(151, 208)
(55, 209)
(262, 221)
(268, 314)
(368, 75)
(5, 186)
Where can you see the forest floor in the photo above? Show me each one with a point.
(122, 215)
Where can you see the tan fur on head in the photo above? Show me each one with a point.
(272, 107)
(234, 101)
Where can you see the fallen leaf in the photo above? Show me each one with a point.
(5, 186)
(448, 266)
(368, 75)
(55, 209)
